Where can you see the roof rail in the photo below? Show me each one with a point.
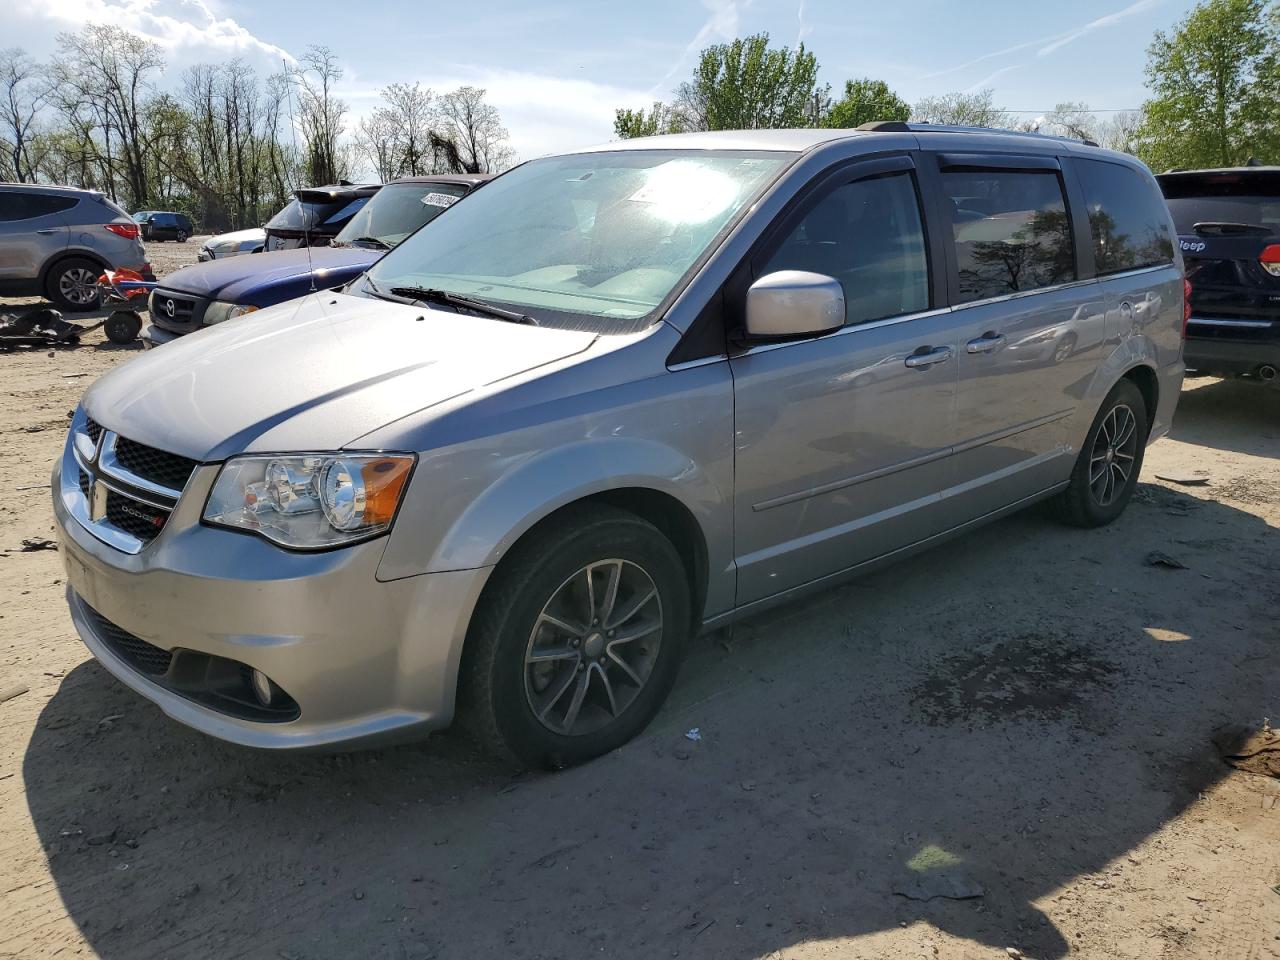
(900, 126)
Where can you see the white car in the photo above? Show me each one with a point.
(233, 244)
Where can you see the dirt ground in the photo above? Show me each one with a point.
(1005, 743)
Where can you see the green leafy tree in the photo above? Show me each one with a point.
(639, 123)
(865, 101)
(1214, 82)
(748, 85)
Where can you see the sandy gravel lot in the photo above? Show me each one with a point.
(1025, 713)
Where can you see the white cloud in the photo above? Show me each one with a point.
(804, 29)
(1053, 42)
(992, 77)
(1102, 22)
(188, 30)
(721, 24)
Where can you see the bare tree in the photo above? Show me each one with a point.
(410, 109)
(321, 114)
(106, 72)
(963, 109)
(1122, 132)
(476, 132)
(24, 89)
(1071, 119)
(378, 140)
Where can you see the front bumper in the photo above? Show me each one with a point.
(154, 335)
(365, 661)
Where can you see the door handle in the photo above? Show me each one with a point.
(986, 343)
(49, 230)
(927, 356)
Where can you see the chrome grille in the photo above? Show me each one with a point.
(166, 469)
(179, 312)
(141, 520)
(121, 491)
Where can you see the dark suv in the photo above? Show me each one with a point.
(206, 294)
(55, 241)
(316, 215)
(164, 225)
(1228, 224)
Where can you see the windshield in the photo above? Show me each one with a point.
(398, 209)
(592, 241)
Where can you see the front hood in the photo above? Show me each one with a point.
(312, 374)
(232, 279)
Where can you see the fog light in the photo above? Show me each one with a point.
(263, 688)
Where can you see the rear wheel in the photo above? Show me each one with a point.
(577, 640)
(73, 284)
(1106, 471)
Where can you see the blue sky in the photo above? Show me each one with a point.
(557, 69)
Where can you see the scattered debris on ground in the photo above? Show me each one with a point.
(1255, 751)
(32, 544)
(1157, 558)
(17, 690)
(947, 883)
(1184, 479)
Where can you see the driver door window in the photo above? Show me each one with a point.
(868, 235)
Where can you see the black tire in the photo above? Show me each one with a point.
(496, 685)
(67, 282)
(182, 237)
(122, 327)
(1081, 503)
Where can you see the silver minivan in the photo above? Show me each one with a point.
(618, 397)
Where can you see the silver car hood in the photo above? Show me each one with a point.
(312, 374)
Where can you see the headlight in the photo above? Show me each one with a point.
(310, 501)
(219, 311)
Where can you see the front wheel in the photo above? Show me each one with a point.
(1106, 471)
(577, 640)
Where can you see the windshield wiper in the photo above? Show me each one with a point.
(374, 240)
(1221, 228)
(431, 295)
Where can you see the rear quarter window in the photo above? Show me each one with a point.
(1128, 221)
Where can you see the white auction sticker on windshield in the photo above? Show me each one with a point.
(439, 199)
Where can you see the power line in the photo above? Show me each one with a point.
(1083, 110)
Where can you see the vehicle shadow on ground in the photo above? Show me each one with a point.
(1005, 715)
(1238, 415)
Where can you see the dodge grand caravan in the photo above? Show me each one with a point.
(616, 397)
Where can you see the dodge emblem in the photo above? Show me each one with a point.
(169, 307)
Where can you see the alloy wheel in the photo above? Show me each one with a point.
(79, 286)
(593, 647)
(1114, 452)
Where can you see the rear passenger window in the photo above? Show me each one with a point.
(1011, 231)
(869, 236)
(28, 206)
(1127, 218)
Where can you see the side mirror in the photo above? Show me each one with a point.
(792, 303)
